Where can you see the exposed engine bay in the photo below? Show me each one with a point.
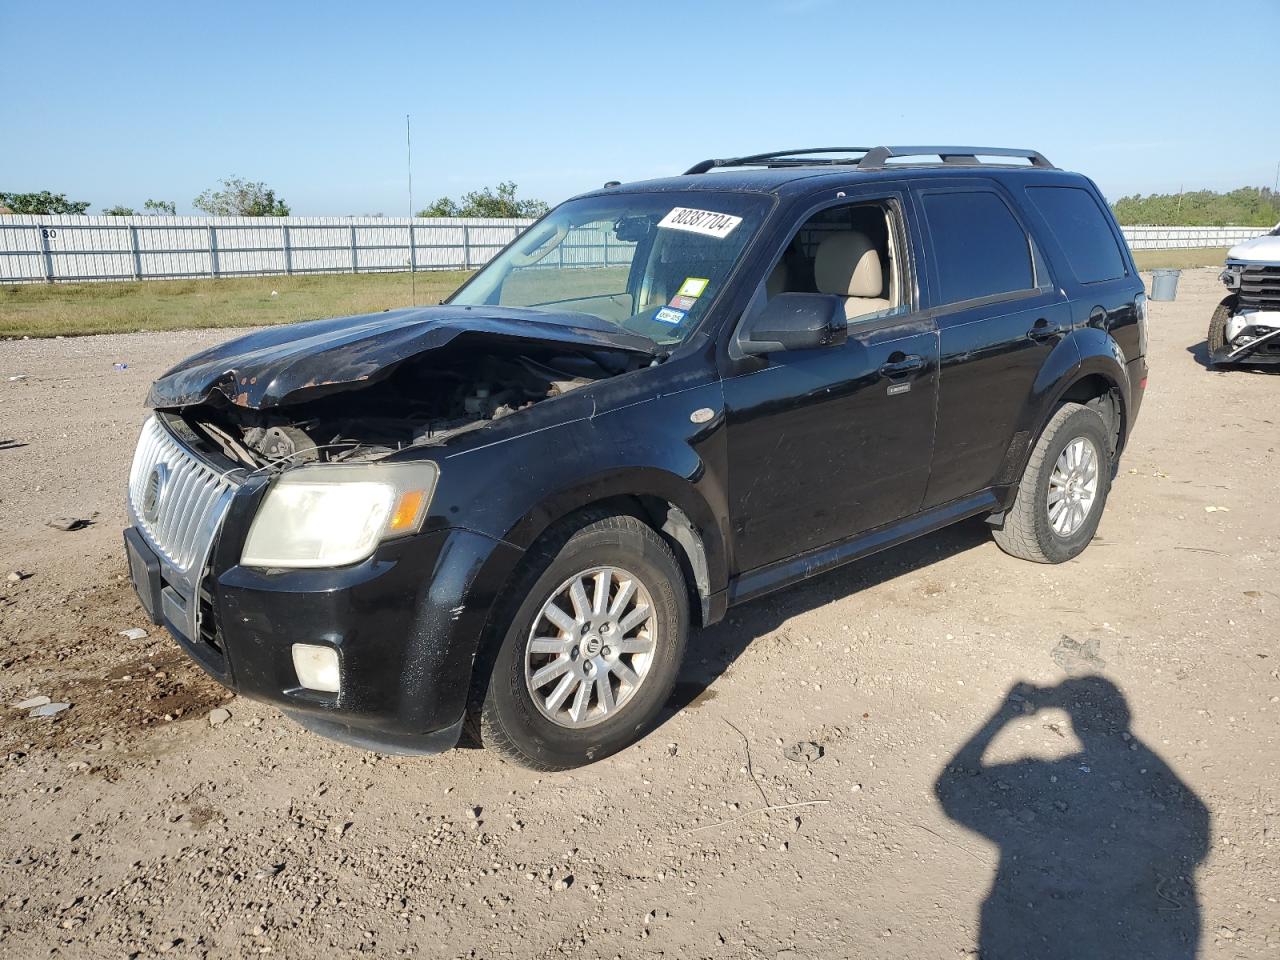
(425, 400)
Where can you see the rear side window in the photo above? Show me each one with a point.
(1082, 229)
(979, 248)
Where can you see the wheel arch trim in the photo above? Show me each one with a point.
(670, 504)
(1108, 374)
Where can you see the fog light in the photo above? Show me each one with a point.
(317, 667)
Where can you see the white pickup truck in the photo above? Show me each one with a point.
(1246, 326)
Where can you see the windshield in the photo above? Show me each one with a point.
(646, 263)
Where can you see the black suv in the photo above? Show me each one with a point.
(662, 399)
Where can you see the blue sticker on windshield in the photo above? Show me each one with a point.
(670, 315)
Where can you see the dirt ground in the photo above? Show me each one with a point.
(950, 811)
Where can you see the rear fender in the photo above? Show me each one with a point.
(1096, 354)
(1084, 353)
(1101, 358)
(1055, 373)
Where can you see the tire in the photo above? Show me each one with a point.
(1029, 531)
(510, 721)
(1217, 337)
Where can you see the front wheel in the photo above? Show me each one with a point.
(592, 649)
(1216, 340)
(1063, 490)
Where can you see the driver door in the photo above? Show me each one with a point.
(827, 443)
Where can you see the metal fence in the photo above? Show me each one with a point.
(67, 248)
(35, 249)
(1166, 238)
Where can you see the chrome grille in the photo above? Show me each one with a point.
(176, 499)
(1260, 287)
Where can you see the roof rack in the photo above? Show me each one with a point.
(965, 156)
(871, 158)
(781, 158)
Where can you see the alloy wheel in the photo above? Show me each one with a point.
(1073, 486)
(590, 647)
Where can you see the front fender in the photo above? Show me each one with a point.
(515, 490)
(634, 482)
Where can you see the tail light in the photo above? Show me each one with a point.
(1140, 308)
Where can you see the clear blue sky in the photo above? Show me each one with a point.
(114, 102)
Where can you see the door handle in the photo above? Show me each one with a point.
(1042, 329)
(900, 365)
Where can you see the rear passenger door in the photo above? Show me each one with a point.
(1086, 249)
(999, 316)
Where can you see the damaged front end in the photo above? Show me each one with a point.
(426, 400)
(1248, 327)
(292, 553)
(361, 388)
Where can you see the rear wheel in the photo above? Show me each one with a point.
(1063, 490)
(592, 649)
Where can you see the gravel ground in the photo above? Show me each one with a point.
(949, 810)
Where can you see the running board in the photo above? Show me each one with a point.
(783, 573)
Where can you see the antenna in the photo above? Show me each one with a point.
(413, 277)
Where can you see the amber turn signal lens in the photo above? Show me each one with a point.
(408, 512)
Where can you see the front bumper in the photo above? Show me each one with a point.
(406, 623)
(1263, 327)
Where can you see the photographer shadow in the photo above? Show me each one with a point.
(1098, 849)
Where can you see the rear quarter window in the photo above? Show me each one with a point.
(1083, 231)
(979, 248)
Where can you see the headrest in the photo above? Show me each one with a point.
(848, 265)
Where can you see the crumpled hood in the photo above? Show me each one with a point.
(301, 361)
(1258, 250)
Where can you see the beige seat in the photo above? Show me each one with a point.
(848, 265)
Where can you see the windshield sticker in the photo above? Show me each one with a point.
(682, 303)
(692, 287)
(668, 315)
(706, 222)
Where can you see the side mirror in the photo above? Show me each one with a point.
(632, 229)
(794, 321)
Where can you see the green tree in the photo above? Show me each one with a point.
(240, 198)
(444, 207)
(487, 203)
(43, 202)
(161, 208)
(1245, 207)
(119, 211)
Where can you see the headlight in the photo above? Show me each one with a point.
(1231, 277)
(331, 515)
